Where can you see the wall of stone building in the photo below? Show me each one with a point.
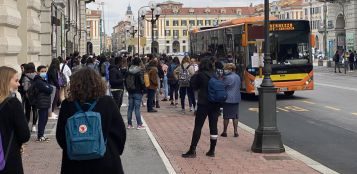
(29, 31)
(10, 43)
(83, 32)
(45, 33)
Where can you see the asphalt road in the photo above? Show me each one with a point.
(321, 124)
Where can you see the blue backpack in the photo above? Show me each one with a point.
(216, 90)
(84, 135)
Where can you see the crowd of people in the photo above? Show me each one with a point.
(348, 57)
(97, 84)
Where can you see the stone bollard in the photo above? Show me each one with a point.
(329, 63)
(320, 62)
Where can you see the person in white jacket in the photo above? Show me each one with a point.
(67, 72)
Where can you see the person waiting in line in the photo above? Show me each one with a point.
(232, 84)
(30, 74)
(173, 81)
(116, 81)
(204, 108)
(87, 87)
(43, 101)
(336, 59)
(135, 86)
(351, 59)
(184, 73)
(154, 83)
(52, 79)
(165, 84)
(13, 125)
(64, 68)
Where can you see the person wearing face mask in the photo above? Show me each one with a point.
(232, 84)
(43, 101)
(13, 125)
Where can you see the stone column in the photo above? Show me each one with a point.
(45, 34)
(83, 29)
(29, 31)
(10, 43)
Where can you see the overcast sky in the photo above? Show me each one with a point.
(115, 9)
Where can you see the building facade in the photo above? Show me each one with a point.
(94, 31)
(120, 36)
(171, 32)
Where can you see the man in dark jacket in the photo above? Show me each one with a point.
(43, 101)
(135, 86)
(336, 59)
(116, 81)
(351, 60)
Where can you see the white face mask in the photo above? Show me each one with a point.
(227, 71)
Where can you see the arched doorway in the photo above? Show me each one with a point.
(89, 48)
(155, 47)
(340, 32)
(176, 46)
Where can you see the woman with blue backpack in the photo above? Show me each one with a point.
(13, 125)
(90, 128)
(205, 107)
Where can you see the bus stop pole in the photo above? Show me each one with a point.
(267, 138)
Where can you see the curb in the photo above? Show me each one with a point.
(297, 155)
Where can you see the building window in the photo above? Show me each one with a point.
(208, 22)
(184, 32)
(192, 23)
(183, 41)
(167, 32)
(167, 41)
(200, 22)
(175, 23)
(167, 23)
(184, 48)
(183, 22)
(167, 49)
(176, 34)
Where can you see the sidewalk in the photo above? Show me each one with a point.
(140, 155)
(173, 132)
(325, 69)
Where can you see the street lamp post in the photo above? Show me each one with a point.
(132, 31)
(267, 137)
(155, 11)
(139, 11)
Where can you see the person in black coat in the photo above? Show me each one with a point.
(204, 108)
(43, 101)
(116, 81)
(12, 122)
(87, 86)
(52, 78)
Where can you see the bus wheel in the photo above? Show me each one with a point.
(289, 93)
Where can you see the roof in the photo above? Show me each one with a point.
(210, 11)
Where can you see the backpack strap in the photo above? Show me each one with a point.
(79, 108)
(64, 64)
(92, 105)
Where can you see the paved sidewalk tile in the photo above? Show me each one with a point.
(173, 131)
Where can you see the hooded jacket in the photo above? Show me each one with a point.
(116, 77)
(139, 78)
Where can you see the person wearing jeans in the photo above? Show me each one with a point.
(134, 105)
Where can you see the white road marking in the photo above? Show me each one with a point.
(335, 86)
(308, 102)
(297, 155)
(329, 107)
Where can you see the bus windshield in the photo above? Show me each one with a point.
(290, 48)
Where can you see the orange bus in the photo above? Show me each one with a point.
(241, 41)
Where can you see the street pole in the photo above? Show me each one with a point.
(105, 39)
(139, 28)
(267, 137)
(325, 29)
(152, 31)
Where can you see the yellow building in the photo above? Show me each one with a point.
(172, 28)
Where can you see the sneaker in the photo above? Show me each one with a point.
(43, 139)
(165, 99)
(140, 127)
(153, 110)
(34, 128)
(130, 126)
(172, 104)
(54, 116)
(191, 109)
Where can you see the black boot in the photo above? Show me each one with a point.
(190, 153)
(212, 148)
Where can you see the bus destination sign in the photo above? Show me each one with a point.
(282, 27)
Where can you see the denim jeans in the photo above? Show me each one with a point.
(150, 101)
(42, 122)
(190, 94)
(134, 105)
(166, 87)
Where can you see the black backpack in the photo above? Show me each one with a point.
(32, 93)
(130, 81)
